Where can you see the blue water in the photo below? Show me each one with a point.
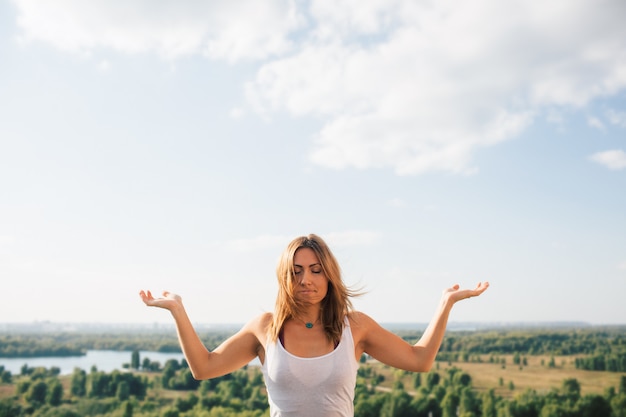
(104, 360)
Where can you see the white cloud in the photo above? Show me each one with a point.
(419, 87)
(617, 118)
(613, 159)
(595, 122)
(410, 86)
(232, 30)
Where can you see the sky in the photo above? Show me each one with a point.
(181, 145)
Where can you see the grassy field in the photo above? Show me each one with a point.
(535, 375)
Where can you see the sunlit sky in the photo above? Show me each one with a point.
(181, 145)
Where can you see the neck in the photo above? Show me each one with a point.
(309, 318)
(309, 324)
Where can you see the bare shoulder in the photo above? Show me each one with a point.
(263, 318)
(259, 328)
(250, 338)
(258, 325)
(359, 319)
(361, 325)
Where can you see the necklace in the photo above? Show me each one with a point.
(308, 324)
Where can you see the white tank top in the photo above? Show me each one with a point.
(311, 387)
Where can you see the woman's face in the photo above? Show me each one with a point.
(311, 284)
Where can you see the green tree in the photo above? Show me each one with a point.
(397, 404)
(618, 404)
(186, 404)
(554, 410)
(8, 408)
(78, 384)
(432, 379)
(171, 412)
(398, 385)
(22, 386)
(594, 406)
(5, 376)
(168, 374)
(417, 380)
(122, 393)
(230, 389)
(570, 387)
(450, 404)
(525, 404)
(367, 405)
(134, 360)
(468, 404)
(257, 400)
(99, 384)
(426, 406)
(488, 408)
(462, 379)
(54, 395)
(37, 393)
(183, 380)
(128, 409)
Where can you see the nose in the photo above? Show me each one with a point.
(306, 275)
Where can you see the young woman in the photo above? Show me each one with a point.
(310, 346)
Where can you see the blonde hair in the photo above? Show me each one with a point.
(335, 305)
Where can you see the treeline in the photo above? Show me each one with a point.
(604, 348)
(77, 344)
(41, 393)
(609, 362)
(598, 350)
(539, 342)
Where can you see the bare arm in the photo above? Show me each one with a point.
(394, 351)
(234, 353)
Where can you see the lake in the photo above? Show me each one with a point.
(104, 360)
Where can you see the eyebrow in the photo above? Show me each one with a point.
(315, 264)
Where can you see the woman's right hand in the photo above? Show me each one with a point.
(169, 301)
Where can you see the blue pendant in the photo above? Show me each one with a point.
(309, 325)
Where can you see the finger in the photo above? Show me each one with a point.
(146, 297)
(480, 288)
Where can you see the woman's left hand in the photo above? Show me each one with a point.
(455, 294)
